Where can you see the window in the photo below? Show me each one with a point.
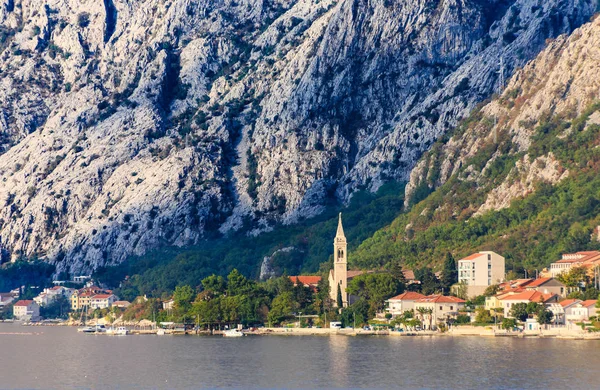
(451, 307)
(489, 257)
(441, 308)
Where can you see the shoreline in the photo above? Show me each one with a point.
(462, 331)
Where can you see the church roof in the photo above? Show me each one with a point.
(340, 228)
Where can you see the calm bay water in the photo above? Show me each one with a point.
(61, 358)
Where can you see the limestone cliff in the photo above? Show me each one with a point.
(126, 125)
(560, 84)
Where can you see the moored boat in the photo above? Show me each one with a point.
(233, 333)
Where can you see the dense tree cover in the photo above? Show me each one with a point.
(373, 289)
(522, 311)
(236, 299)
(58, 308)
(26, 273)
(533, 232)
(159, 272)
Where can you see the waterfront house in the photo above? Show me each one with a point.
(49, 295)
(26, 310)
(561, 309)
(80, 299)
(548, 286)
(102, 301)
(582, 311)
(6, 299)
(526, 297)
(403, 302)
(481, 270)
(437, 308)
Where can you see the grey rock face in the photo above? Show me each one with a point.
(126, 125)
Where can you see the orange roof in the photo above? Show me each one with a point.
(588, 303)
(473, 256)
(23, 302)
(306, 280)
(441, 299)
(568, 302)
(538, 282)
(408, 296)
(531, 296)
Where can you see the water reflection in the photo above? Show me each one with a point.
(62, 358)
(339, 357)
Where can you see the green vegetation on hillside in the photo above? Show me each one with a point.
(159, 272)
(28, 274)
(531, 233)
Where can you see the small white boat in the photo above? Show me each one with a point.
(87, 329)
(120, 331)
(100, 329)
(160, 332)
(233, 333)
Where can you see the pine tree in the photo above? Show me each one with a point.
(449, 273)
(397, 272)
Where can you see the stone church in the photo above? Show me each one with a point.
(339, 276)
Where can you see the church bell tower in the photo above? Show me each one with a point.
(340, 264)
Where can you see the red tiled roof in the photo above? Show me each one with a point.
(23, 302)
(538, 282)
(588, 303)
(408, 296)
(440, 299)
(473, 256)
(568, 302)
(531, 296)
(306, 280)
(568, 261)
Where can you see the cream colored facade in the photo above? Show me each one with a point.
(338, 277)
(481, 270)
(404, 302)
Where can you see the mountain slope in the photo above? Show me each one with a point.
(131, 125)
(519, 177)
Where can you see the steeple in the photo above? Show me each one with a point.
(340, 229)
(338, 277)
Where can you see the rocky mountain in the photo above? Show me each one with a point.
(127, 125)
(519, 176)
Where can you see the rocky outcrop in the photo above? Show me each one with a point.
(561, 82)
(126, 125)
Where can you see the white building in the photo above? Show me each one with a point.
(582, 311)
(509, 301)
(6, 299)
(26, 310)
(481, 270)
(49, 295)
(570, 260)
(404, 302)
(439, 308)
(102, 301)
